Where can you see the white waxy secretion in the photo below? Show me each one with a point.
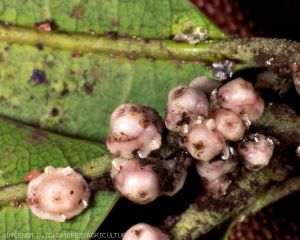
(134, 128)
(184, 105)
(240, 97)
(143, 231)
(256, 151)
(138, 183)
(58, 194)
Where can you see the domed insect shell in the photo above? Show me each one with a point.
(58, 194)
(185, 104)
(143, 231)
(203, 142)
(134, 128)
(138, 183)
(229, 124)
(256, 151)
(240, 97)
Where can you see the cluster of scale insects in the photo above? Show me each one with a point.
(206, 124)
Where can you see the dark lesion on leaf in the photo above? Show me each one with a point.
(36, 136)
(38, 77)
(114, 22)
(54, 112)
(39, 46)
(78, 11)
(88, 88)
(64, 92)
(1, 58)
(45, 26)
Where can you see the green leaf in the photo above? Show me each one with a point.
(73, 89)
(101, 54)
(147, 19)
(83, 91)
(78, 94)
(24, 149)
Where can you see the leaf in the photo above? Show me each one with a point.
(73, 91)
(147, 19)
(57, 90)
(103, 53)
(47, 86)
(24, 149)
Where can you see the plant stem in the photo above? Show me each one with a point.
(91, 169)
(272, 195)
(287, 127)
(277, 54)
(247, 195)
(8, 193)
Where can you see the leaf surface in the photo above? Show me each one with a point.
(73, 91)
(98, 55)
(139, 18)
(24, 149)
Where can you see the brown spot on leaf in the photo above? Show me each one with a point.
(88, 88)
(45, 26)
(31, 175)
(39, 46)
(76, 54)
(36, 135)
(1, 58)
(131, 56)
(38, 77)
(78, 11)
(14, 203)
(64, 92)
(50, 64)
(54, 112)
(96, 72)
(114, 22)
(112, 35)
